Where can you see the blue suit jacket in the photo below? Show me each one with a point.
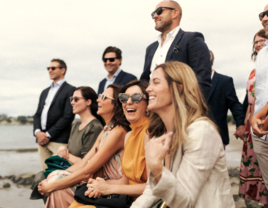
(222, 97)
(122, 79)
(60, 114)
(189, 48)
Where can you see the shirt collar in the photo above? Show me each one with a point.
(115, 74)
(58, 83)
(171, 34)
(266, 43)
(212, 74)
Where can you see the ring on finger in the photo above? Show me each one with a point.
(91, 188)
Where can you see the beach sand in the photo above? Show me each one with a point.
(27, 163)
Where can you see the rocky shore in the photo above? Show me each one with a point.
(24, 182)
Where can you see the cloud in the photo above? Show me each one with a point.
(34, 32)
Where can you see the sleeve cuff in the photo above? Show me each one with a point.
(48, 135)
(37, 130)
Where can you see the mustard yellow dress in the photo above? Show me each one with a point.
(133, 161)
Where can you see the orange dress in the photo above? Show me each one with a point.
(133, 161)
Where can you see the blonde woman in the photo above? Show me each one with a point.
(185, 155)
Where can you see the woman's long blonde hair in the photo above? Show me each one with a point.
(188, 103)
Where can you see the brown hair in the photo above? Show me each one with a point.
(118, 116)
(62, 64)
(89, 94)
(261, 33)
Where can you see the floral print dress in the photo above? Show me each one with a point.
(251, 183)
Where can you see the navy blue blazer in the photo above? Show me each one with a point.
(60, 114)
(122, 79)
(222, 97)
(189, 48)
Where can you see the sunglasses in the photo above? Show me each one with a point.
(262, 15)
(159, 10)
(110, 59)
(259, 41)
(75, 99)
(136, 97)
(53, 68)
(103, 97)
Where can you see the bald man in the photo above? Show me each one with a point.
(259, 137)
(176, 45)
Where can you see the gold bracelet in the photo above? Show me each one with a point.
(159, 173)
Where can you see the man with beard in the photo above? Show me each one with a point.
(259, 137)
(176, 45)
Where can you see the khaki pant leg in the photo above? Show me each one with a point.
(48, 150)
(261, 150)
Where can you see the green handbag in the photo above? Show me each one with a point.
(159, 204)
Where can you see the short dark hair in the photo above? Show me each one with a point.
(62, 64)
(89, 94)
(261, 33)
(110, 49)
(212, 57)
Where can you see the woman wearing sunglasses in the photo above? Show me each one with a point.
(83, 134)
(134, 99)
(104, 157)
(185, 155)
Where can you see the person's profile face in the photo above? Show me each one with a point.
(159, 93)
(264, 21)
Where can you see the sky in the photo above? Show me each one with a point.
(33, 32)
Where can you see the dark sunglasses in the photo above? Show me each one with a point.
(110, 59)
(103, 97)
(75, 99)
(159, 10)
(262, 15)
(136, 97)
(53, 68)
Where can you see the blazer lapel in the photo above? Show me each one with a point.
(214, 84)
(119, 78)
(174, 45)
(151, 54)
(55, 97)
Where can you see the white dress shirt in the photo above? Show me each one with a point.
(50, 96)
(111, 81)
(261, 87)
(161, 52)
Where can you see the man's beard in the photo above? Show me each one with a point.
(165, 26)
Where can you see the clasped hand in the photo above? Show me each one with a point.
(42, 188)
(97, 188)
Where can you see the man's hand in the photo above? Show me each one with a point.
(240, 132)
(256, 127)
(42, 138)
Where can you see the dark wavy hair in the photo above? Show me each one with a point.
(261, 33)
(119, 116)
(89, 94)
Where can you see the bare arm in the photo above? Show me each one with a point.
(113, 143)
(120, 186)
